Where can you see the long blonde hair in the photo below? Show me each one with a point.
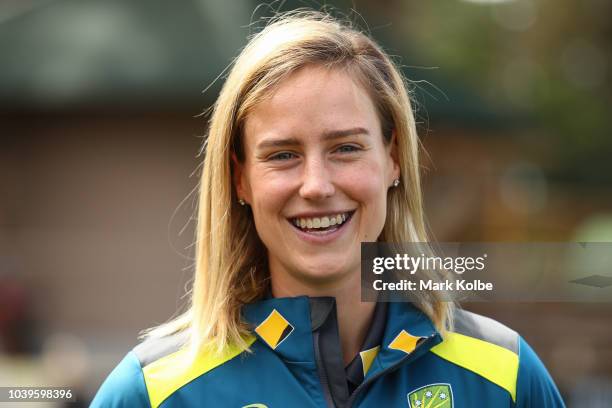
(231, 265)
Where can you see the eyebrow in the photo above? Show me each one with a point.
(329, 135)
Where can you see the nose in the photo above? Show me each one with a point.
(316, 181)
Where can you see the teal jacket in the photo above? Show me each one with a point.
(295, 361)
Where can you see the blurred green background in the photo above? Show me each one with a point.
(99, 142)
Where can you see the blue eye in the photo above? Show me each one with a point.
(348, 149)
(283, 156)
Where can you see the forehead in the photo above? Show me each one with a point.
(313, 100)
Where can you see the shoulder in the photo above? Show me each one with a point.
(156, 370)
(501, 356)
(486, 330)
(535, 387)
(124, 387)
(127, 385)
(484, 346)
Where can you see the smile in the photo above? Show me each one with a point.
(322, 224)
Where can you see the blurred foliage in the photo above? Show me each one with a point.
(545, 63)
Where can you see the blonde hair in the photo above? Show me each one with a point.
(231, 265)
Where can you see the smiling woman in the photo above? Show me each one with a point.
(314, 155)
(312, 150)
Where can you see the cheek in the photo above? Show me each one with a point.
(367, 186)
(269, 193)
(366, 182)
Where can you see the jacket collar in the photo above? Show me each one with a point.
(285, 325)
(409, 333)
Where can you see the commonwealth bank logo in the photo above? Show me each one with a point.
(431, 396)
(275, 329)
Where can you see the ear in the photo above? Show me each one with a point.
(238, 178)
(394, 168)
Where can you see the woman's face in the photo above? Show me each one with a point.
(316, 174)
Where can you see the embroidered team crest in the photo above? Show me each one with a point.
(431, 396)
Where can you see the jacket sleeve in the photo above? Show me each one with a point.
(124, 387)
(535, 387)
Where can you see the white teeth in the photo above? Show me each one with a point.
(320, 222)
(324, 222)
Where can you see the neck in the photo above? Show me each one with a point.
(354, 316)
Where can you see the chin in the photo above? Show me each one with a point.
(325, 272)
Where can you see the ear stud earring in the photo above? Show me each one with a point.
(396, 182)
(241, 202)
